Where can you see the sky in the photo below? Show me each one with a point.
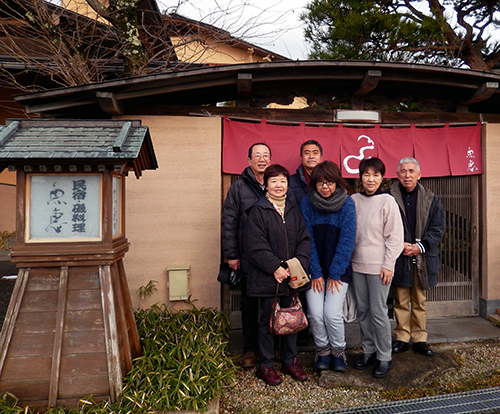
(271, 24)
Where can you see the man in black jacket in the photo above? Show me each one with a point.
(241, 195)
(418, 266)
(311, 154)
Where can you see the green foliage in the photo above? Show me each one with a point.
(148, 290)
(184, 365)
(412, 31)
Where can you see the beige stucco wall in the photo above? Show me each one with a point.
(174, 213)
(212, 51)
(490, 286)
(7, 201)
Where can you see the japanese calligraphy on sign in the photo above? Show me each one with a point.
(116, 206)
(64, 207)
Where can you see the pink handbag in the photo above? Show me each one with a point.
(286, 321)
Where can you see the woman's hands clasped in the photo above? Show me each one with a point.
(317, 285)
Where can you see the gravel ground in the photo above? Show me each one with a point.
(454, 367)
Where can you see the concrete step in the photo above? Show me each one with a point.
(494, 318)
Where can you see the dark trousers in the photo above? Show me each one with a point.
(266, 338)
(249, 319)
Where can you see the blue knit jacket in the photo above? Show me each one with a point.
(333, 236)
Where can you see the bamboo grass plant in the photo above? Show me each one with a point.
(184, 365)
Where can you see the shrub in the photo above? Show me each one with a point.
(183, 367)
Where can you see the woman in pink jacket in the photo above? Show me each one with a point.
(379, 242)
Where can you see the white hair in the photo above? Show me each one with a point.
(409, 159)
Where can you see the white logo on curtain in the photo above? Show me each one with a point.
(360, 156)
(471, 163)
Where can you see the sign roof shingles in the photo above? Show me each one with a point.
(114, 141)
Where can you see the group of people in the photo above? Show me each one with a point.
(368, 242)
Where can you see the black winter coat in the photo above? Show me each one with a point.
(265, 242)
(241, 196)
(430, 228)
(298, 185)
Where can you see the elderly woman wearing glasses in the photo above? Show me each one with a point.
(275, 233)
(330, 218)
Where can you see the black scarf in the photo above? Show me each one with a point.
(331, 204)
(379, 191)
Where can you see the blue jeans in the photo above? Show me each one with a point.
(326, 319)
(371, 302)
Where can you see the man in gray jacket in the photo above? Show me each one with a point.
(418, 266)
(241, 195)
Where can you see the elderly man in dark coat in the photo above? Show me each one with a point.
(241, 195)
(418, 266)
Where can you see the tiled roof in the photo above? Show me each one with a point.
(94, 141)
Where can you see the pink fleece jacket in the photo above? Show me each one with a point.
(379, 233)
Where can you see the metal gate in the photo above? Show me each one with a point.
(457, 292)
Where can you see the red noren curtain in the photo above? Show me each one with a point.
(441, 151)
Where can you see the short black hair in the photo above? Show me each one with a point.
(273, 171)
(311, 142)
(329, 171)
(258, 143)
(375, 164)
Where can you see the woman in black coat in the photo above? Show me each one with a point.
(276, 232)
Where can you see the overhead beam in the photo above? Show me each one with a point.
(484, 92)
(108, 103)
(370, 82)
(244, 89)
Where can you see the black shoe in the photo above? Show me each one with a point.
(400, 346)
(365, 360)
(422, 348)
(382, 369)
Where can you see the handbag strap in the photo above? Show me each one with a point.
(295, 293)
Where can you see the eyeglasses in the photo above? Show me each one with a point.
(322, 183)
(259, 156)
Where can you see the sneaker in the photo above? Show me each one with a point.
(323, 363)
(268, 375)
(249, 360)
(338, 364)
(295, 371)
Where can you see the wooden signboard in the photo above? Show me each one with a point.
(69, 331)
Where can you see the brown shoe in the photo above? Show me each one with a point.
(249, 360)
(268, 375)
(295, 371)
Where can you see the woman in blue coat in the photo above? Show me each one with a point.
(330, 218)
